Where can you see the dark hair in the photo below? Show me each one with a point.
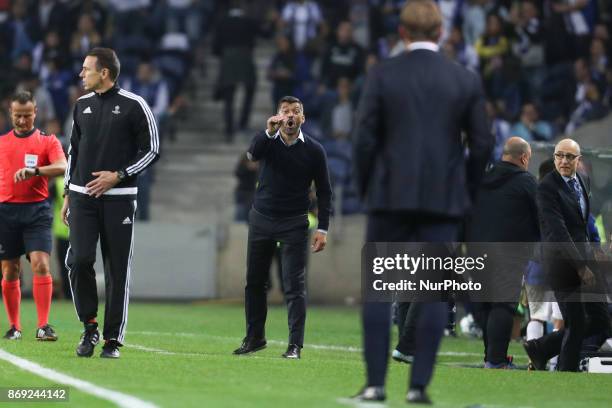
(546, 167)
(106, 58)
(23, 97)
(289, 99)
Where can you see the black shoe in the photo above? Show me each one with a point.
(536, 361)
(250, 346)
(12, 334)
(46, 333)
(293, 352)
(110, 349)
(89, 339)
(417, 397)
(370, 394)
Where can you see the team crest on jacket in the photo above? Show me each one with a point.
(116, 111)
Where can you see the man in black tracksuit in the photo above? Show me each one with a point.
(114, 138)
(505, 211)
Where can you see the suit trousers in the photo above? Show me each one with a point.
(112, 221)
(376, 316)
(408, 317)
(582, 320)
(264, 233)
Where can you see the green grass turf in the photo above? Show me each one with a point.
(179, 355)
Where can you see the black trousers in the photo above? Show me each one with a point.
(581, 320)
(61, 248)
(408, 317)
(228, 107)
(112, 221)
(376, 316)
(496, 320)
(264, 233)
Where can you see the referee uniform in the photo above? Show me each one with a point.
(114, 130)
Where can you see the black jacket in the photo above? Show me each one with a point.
(505, 208)
(112, 131)
(409, 152)
(562, 223)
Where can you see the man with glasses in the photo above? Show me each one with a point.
(564, 204)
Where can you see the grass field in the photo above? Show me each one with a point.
(179, 355)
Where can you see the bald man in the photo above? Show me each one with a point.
(505, 211)
(563, 199)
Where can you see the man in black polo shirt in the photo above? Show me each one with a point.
(290, 161)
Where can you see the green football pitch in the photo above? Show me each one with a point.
(179, 355)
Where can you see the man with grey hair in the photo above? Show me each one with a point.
(564, 205)
(507, 201)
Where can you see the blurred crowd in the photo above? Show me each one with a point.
(544, 63)
(43, 44)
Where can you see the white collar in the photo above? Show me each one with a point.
(423, 45)
(300, 137)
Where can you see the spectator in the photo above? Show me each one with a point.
(530, 127)
(301, 20)
(576, 24)
(590, 109)
(184, 16)
(529, 46)
(51, 17)
(97, 11)
(51, 48)
(83, 39)
(500, 129)
(598, 59)
(474, 21)
(491, 48)
(360, 16)
(45, 110)
(57, 82)
(151, 87)
(233, 44)
(343, 59)
(459, 50)
(129, 16)
(246, 177)
(370, 61)
(583, 78)
(452, 12)
(282, 69)
(339, 149)
(22, 30)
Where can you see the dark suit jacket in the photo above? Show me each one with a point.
(409, 151)
(562, 223)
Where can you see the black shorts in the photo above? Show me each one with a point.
(24, 228)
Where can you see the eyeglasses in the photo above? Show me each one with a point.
(568, 156)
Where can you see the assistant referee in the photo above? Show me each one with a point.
(114, 138)
(290, 162)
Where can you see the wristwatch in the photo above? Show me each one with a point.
(121, 175)
(36, 171)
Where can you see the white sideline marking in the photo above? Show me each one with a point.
(282, 343)
(122, 400)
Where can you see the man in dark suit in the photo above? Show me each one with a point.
(564, 205)
(413, 173)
